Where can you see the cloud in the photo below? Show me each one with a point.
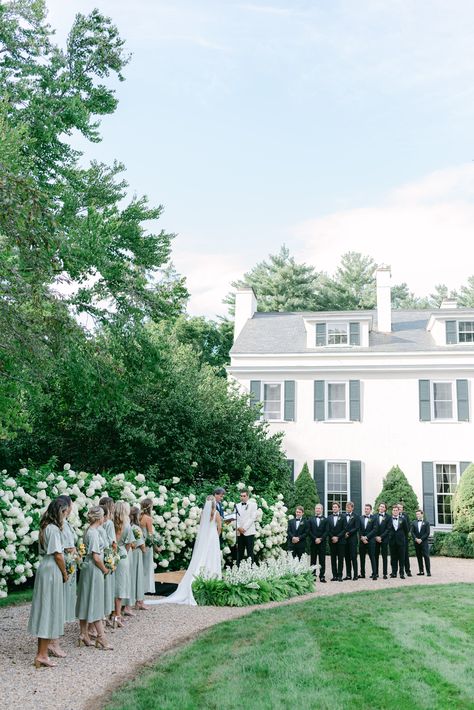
(208, 278)
(424, 230)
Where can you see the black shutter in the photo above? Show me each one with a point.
(356, 485)
(462, 466)
(256, 396)
(424, 388)
(354, 400)
(320, 334)
(319, 408)
(291, 466)
(354, 333)
(289, 407)
(451, 332)
(428, 491)
(319, 469)
(462, 392)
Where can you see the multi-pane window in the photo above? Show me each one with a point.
(337, 400)
(272, 401)
(337, 484)
(338, 334)
(442, 400)
(466, 331)
(446, 477)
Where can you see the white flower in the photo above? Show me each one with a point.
(175, 480)
(140, 478)
(42, 485)
(240, 486)
(67, 467)
(163, 563)
(11, 483)
(162, 489)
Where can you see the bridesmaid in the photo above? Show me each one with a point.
(90, 590)
(108, 531)
(146, 524)
(68, 538)
(124, 536)
(136, 554)
(47, 608)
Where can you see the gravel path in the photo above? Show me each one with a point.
(88, 675)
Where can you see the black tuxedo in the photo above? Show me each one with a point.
(422, 549)
(318, 551)
(352, 538)
(367, 548)
(381, 548)
(407, 538)
(397, 543)
(303, 528)
(337, 528)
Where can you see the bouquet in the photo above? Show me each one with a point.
(137, 534)
(154, 540)
(80, 553)
(70, 560)
(111, 559)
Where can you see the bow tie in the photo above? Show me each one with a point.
(367, 516)
(395, 518)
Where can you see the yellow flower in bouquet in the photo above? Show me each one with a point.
(138, 534)
(111, 559)
(71, 563)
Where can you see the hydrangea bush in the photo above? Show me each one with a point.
(25, 497)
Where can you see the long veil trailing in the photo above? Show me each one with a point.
(206, 555)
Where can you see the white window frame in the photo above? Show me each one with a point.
(282, 399)
(443, 526)
(338, 324)
(326, 401)
(454, 418)
(458, 323)
(348, 474)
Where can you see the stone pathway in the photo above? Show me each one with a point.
(84, 680)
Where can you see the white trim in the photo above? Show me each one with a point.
(462, 320)
(282, 397)
(454, 418)
(346, 401)
(348, 474)
(440, 526)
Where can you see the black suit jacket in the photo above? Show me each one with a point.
(352, 527)
(369, 531)
(337, 530)
(302, 532)
(406, 517)
(398, 536)
(318, 532)
(382, 528)
(423, 534)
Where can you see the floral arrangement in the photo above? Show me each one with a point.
(111, 559)
(154, 540)
(138, 535)
(274, 579)
(70, 561)
(25, 496)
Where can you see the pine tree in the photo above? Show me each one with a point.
(396, 489)
(463, 503)
(305, 492)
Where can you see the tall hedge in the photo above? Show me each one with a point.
(397, 489)
(305, 492)
(463, 502)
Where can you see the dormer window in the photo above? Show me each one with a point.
(466, 331)
(335, 334)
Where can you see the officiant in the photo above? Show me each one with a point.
(246, 517)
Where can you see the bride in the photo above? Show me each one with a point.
(206, 556)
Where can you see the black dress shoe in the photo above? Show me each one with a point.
(333, 579)
(374, 577)
(392, 576)
(355, 578)
(339, 579)
(323, 581)
(402, 576)
(362, 576)
(346, 577)
(385, 576)
(420, 574)
(409, 574)
(428, 574)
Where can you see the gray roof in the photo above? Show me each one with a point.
(274, 333)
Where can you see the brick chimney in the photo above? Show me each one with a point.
(245, 307)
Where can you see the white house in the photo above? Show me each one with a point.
(358, 392)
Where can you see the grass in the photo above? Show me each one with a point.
(383, 650)
(14, 598)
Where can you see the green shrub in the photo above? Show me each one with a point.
(219, 592)
(304, 492)
(453, 544)
(396, 489)
(463, 502)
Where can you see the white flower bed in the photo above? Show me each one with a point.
(23, 500)
(270, 568)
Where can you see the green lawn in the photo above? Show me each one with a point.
(397, 649)
(14, 598)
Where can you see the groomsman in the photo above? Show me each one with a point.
(381, 539)
(351, 535)
(318, 526)
(247, 515)
(297, 531)
(407, 551)
(397, 534)
(420, 531)
(367, 540)
(337, 541)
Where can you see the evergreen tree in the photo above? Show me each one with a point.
(466, 296)
(463, 502)
(304, 492)
(396, 489)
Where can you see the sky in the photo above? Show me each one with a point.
(327, 125)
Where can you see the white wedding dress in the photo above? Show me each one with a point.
(206, 558)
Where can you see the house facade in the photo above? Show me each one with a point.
(358, 392)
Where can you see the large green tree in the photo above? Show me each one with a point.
(397, 489)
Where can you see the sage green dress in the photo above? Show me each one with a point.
(68, 538)
(122, 573)
(90, 590)
(148, 567)
(137, 579)
(47, 608)
(108, 532)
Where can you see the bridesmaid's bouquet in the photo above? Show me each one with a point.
(154, 540)
(80, 553)
(70, 560)
(137, 534)
(111, 559)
